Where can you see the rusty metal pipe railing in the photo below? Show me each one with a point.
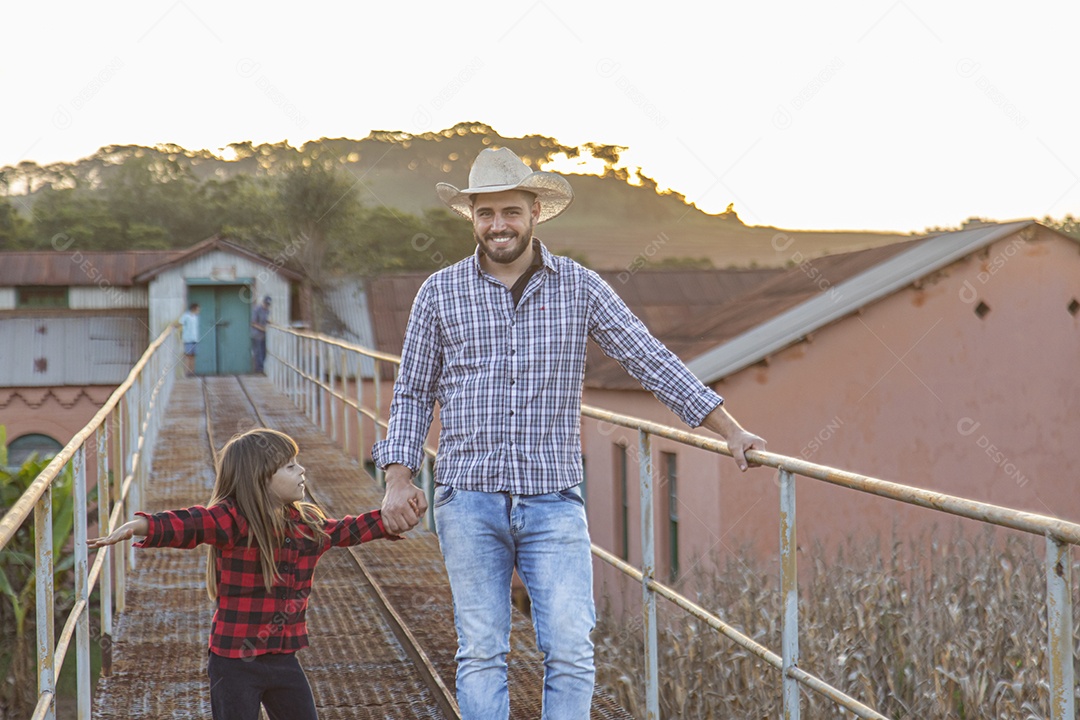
(1060, 536)
(141, 397)
(972, 509)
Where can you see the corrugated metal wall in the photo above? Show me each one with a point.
(348, 302)
(69, 350)
(107, 297)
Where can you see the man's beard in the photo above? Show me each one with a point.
(510, 252)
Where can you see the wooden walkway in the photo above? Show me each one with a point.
(358, 664)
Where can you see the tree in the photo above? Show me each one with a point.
(318, 205)
(13, 228)
(76, 214)
(1068, 225)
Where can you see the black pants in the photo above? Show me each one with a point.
(277, 682)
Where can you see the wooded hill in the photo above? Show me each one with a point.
(378, 205)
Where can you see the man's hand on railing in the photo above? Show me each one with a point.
(404, 504)
(738, 439)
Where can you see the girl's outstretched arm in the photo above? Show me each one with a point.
(138, 526)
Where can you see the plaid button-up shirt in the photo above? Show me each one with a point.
(508, 379)
(249, 620)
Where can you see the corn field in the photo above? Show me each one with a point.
(937, 630)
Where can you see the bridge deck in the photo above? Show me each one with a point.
(357, 666)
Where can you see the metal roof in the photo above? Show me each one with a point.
(216, 242)
(117, 268)
(882, 279)
(75, 268)
(707, 321)
(665, 298)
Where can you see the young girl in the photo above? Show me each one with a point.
(264, 544)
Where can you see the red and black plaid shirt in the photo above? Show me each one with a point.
(249, 620)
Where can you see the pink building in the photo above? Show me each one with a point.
(943, 363)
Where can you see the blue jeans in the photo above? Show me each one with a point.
(483, 537)
(258, 354)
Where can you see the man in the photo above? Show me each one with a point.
(189, 335)
(498, 340)
(260, 316)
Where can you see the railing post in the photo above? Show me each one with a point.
(106, 579)
(131, 424)
(82, 593)
(46, 636)
(331, 382)
(301, 379)
(119, 555)
(1059, 623)
(298, 364)
(378, 417)
(281, 371)
(343, 359)
(648, 572)
(320, 386)
(359, 412)
(313, 373)
(305, 368)
(289, 378)
(789, 590)
(311, 370)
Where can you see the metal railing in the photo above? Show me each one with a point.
(308, 367)
(120, 438)
(1060, 535)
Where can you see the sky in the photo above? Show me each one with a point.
(881, 115)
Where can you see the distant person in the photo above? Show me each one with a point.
(499, 341)
(189, 335)
(257, 502)
(260, 317)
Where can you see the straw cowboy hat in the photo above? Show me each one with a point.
(498, 170)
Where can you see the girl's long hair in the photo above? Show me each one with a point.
(244, 468)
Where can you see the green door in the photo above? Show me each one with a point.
(224, 329)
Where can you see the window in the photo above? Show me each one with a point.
(622, 503)
(41, 296)
(671, 497)
(21, 448)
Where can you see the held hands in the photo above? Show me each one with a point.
(404, 503)
(125, 532)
